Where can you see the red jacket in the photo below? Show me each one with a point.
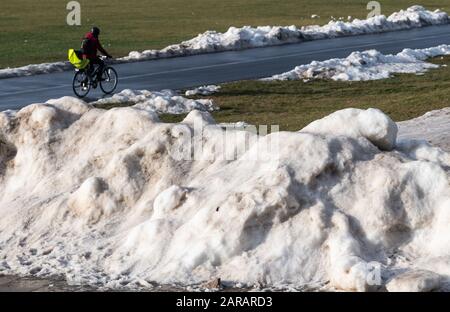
(91, 45)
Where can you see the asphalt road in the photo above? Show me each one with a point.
(186, 72)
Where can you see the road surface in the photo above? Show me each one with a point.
(185, 72)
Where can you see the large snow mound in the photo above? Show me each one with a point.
(254, 37)
(165, 101)
(367, 65)
(117, 198)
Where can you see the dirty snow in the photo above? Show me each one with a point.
(113, 199)
(415, 281)
(35, 69)
(251, 37)
(165, 101)
(203, 90)
(254, 37)
(433, 127)
(367, 65)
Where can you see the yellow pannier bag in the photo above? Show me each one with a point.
(76, 61)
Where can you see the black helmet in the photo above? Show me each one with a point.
(95, 31)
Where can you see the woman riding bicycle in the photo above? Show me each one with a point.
(87, 75)
(90, 45)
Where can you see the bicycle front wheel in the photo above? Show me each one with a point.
(81, 85)
(109, 80)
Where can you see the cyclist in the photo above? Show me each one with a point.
(90, 45)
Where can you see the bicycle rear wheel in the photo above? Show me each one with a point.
(109, 80)
(80, 84)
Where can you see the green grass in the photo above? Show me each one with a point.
(35, 31)
(294, 104)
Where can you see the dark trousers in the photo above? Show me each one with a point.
(93, 62)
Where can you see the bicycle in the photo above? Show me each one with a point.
(83, 81)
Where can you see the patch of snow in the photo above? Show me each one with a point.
(367, 65)
(236, 125)
(251, 37)
(98, 197)
(314, 16)
(35, 69)
(422, 150)
(166, 101)
(203, 90)
(415, 281)
(433, 127)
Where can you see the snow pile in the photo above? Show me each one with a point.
(35, 69)
(413, 17)
(166, 101)
(367, 65)
(254, 37)
(203, 90)
(112, 198)
(251, 37)
(433, 127)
